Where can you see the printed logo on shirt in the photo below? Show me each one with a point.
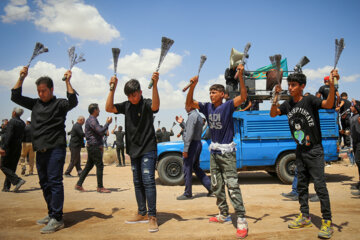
(301, 122)
(215, 121)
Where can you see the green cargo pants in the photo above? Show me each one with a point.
(223, 172)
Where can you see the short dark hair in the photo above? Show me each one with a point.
(343, 94)
(163, 128)
(217, 87)
(93, 107)
(45, 80)
(297, 77)
(131, 86)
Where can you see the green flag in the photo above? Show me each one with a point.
(261, 72)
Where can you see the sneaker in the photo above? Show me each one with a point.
(300, 222)
(118, 165)
(53, 226)
(326, 229)
(138, 219)
(23, 171)
(103, 190)
(44, 220)
(79, 188)
(67, 175)
(314, 198)
(5, 190)
(19, 184)
(292, 196)
(220, 219)
(242, 228)
(183, 197)
(153, 226)
(356, 193)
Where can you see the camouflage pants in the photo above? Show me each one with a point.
(223, 172)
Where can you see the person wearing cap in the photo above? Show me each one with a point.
(10, 150)
(324, 92)
(27, 149)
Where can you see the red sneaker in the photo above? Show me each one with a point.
(242, 228)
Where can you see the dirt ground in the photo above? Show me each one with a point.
(92, 215)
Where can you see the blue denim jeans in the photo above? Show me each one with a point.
(294, 183)
(144, 182)
(50, 166)
(192, 163)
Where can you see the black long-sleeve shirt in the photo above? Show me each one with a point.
(47, 118)
(14, 134)
(77, 136)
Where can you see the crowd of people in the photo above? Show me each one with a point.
(45, 134)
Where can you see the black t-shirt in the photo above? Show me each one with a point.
(139, 128)
(304, 120)
(346, 106)
(119, 138)
(325, 90)
(27, 134)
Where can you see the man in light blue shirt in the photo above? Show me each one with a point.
(191, 153)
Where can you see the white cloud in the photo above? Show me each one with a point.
(16, 10)
(143, 64)
(71, 17)
(318, 74)
(351, 78)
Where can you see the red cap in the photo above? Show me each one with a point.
(326, 78)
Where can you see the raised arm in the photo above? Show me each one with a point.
(67, 76)
(113, 131)
(155, 94)
(16, 92)
(329, 102)
(190, 102)
(247, 107)
(274, 110)
(109, 107)
(238, 100)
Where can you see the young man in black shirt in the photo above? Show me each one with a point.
(303, 115)
(119, 145)
(49, 140)
(140, 144)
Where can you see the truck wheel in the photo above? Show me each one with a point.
(170, 170)
(285, 168)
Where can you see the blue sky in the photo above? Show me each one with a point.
(212, 28)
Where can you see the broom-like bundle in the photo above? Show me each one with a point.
(74, 59)
(202, 60)
(166, 44)
(116, 53)
(245, 55)
(39, 49)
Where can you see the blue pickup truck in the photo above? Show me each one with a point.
(262, 143)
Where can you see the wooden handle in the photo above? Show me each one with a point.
(187, 86)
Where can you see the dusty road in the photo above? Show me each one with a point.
(92, 215)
